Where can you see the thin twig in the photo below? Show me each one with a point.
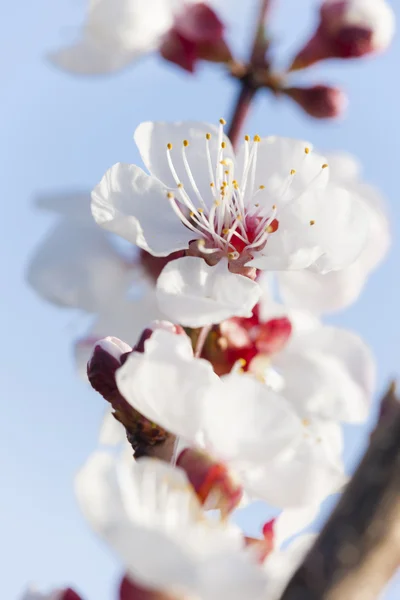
(358, 550)
(248, 87)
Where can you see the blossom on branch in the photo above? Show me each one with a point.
(276, 454)
(117, 32)
(348, 29)
(270, 207)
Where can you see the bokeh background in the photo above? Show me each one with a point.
(61, 133)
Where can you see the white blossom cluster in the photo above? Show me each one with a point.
(234, 256)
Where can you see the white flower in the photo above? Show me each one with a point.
(337, 289)
(268, 208)
(237, 419)
(149, 514)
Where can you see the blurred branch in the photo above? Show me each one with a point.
(358, 550)
(248, 85)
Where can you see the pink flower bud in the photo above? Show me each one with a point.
(319, 101)
(348, 29)
(129, 590)
(197, 34)
(211, 480)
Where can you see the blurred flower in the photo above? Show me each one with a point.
(269, 208)
(117, 32)
(76, 264)
(319, 101)
(338, 289)
(348, 29)
(237, 419)
(129, 590)
(149, 514)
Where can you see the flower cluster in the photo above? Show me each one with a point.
(207, 277)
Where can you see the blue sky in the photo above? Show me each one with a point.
(60, 132)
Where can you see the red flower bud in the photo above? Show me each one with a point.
(319, 101)
(197, 34)
(211, 480)
(348, 29)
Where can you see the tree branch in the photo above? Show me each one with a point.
(358, 550)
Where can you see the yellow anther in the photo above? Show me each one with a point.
(246, 138)
(223, 162)
(180, 185)
(208, 136)
(257, 205)
(170, 195)
(236, 186)
(325, 166)
(216, 203)
(269, 229)
(200, 210)
(257, 138)
(242, 362)
(201, 243)
(293, 172)
(306, 422)
(231, 255)
(274, 207)
(211, 184)
(239, 218)
(307, 150)
(191, 213)
(262, 187)
(185, 143)
(225, 231)
(234, 182)
(226, 172)
(312, 222)
(224, 184)
(223, 144)
(222, 121)
(169, 146)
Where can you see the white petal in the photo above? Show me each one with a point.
(165, 383)
(193, 294)
(149, 514)
(245, 421)
(277, 157)
(292, 521)
(329, 372)
(116, 32)
(76, 266)
(232, 576)
(135, 206)
(152, 139)
(334, 241)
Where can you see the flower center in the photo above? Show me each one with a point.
(235, 218)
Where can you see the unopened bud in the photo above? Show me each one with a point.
(319, 101)
(64, 594)
(107, 356)
(129, 590)
(197, 34)
(348, 29)
(69, 595)
(214, 485)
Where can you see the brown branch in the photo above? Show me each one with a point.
(248, 86)
(358, 550)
